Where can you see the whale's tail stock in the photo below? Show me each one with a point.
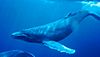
(95, 16)
(93, 7)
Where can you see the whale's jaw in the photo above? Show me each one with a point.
(18, 35)
(25, 37)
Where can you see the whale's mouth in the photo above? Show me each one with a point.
(18, 35)
(25, 37)
(22, 36)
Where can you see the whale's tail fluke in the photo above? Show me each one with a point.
(59, 47)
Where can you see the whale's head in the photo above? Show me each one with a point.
(25, 37)
(18, 35)
(16, 53)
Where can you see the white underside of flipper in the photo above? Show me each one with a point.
(59, 47)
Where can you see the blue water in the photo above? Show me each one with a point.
(16, 15)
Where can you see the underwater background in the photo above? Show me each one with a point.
(16, 15)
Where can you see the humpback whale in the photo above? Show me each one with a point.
(16, 53)
(49, 34)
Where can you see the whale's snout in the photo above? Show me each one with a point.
(23, 36)
(18, 35)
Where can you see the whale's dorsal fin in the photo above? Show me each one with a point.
(69, 14)
(59, 47)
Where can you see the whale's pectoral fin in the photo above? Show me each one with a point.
(59, 47)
